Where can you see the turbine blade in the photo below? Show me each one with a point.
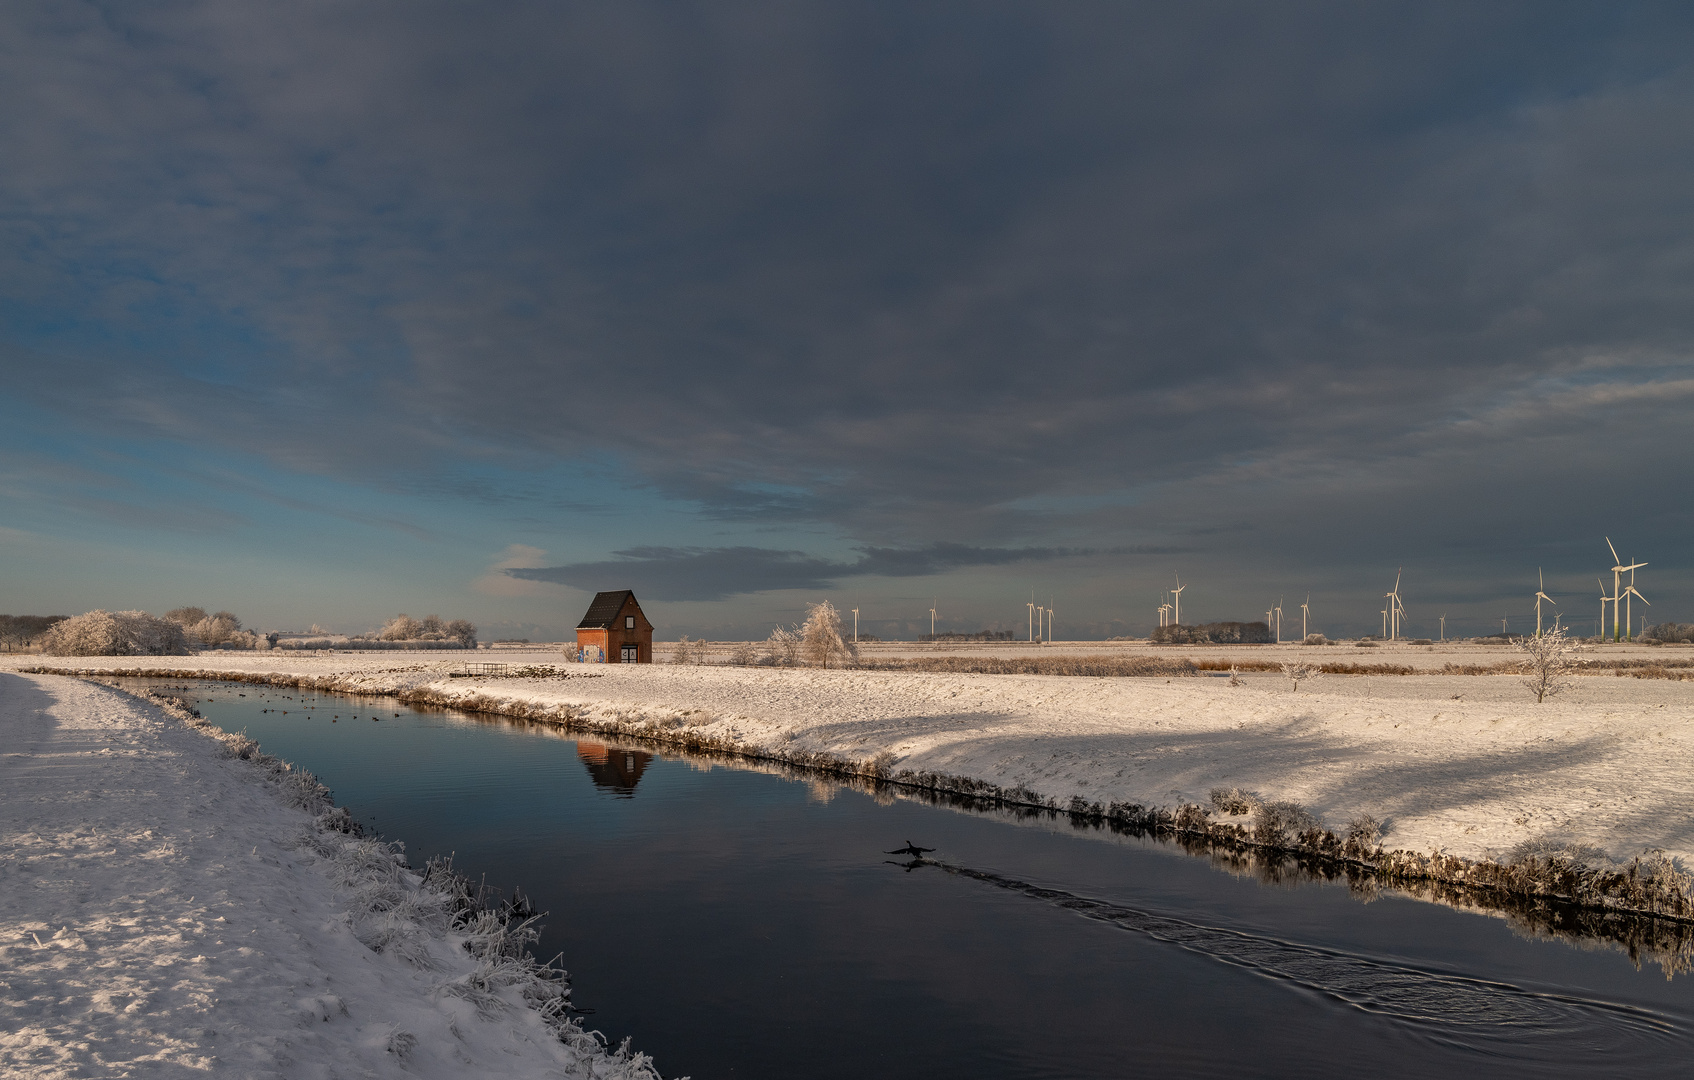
(1614, 550)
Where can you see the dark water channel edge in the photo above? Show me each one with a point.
(739, 918)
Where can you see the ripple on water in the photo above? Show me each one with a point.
(1496, 1018)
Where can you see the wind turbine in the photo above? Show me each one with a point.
(1031, 606)
(1443, 626)
(1540, 595)
(1396, 610)
(1049, 619)
(1164, 614)
(855, 626)
(1629, 591)
(1177, 592)
(1617, 580)
(1305, 613)
(1040, 614)
(1278, 610)
(1600, 631)
(933, 600)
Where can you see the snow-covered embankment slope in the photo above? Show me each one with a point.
(164, 910)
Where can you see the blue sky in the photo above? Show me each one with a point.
(326, 312)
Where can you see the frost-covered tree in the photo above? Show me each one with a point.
(461, 630)
(120, 633)
(400, 628)
(1548, 661)
(186, 617)
(215, 630)
(821, 639)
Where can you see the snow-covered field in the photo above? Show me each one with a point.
(1466, 764)
(164, 910)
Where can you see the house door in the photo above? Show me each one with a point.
(632, 654)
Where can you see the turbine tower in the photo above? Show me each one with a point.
(1177, 593)
(1305, 613)
(934, 600)
(855, 626)
(1600, 630)
(1629, 591)
(1031, 606)
(1443, 626)
(1540, 595)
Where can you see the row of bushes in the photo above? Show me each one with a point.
(1217, 633)
(136, 633)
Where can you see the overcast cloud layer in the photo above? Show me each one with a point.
(741, 304)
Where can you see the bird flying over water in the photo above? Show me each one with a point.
(910, 849)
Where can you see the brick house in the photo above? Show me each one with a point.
(615, 625)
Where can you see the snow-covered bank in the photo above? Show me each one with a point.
(167, 907)
(1457, 766)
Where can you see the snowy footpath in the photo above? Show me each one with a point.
(168, 908)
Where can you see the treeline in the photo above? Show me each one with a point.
(24, 631)
(220, 630)
(1216, 633)
(1671, 633)
(980, 635)
(429, 628)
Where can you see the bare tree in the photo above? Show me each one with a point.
(1548, 661)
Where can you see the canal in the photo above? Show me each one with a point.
(739, 921)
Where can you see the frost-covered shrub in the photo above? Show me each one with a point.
(743, 655)
(1234, 801)
(120, 633)
(1548, 660)
(1301, 669)
(1275, 822)
(782, 648)
(689, 652)
(821, 640)
(1316, 639)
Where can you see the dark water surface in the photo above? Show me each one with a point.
(739, 922)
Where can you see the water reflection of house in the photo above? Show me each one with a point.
(612, 769)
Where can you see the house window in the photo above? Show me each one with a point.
(629, 622)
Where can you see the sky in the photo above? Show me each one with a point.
(325, 311)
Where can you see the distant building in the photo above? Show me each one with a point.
(616, 627)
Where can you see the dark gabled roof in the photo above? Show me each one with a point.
(604, 610)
